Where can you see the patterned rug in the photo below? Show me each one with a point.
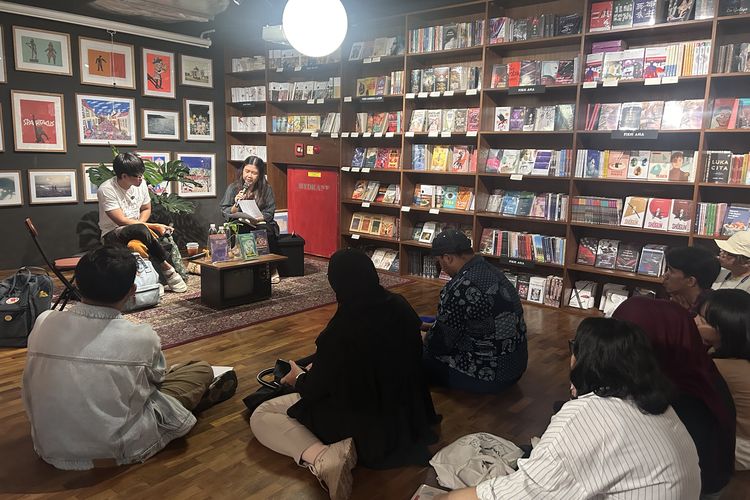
(181, 318)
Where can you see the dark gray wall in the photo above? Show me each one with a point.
(61, 225)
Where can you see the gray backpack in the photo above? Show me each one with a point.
(146, 286)
(23, 297)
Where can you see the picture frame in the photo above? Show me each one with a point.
(160, 124)
(105, 120)
(203, 170)
(196, 71)
(199, 120)
(158, 73)
(11, 193)
(41, 51)
(3, 71)
(88, 187)
(38, 121)
(48, 187)
(106, 64)
(159, 158)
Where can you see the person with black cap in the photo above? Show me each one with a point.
(478, 341)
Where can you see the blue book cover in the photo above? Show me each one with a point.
(593, 164)
(736, 220)
(419, 157)
(358, 158)
(644, 12)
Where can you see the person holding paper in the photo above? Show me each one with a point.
(251, 184)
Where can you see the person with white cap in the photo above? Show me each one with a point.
(734, 257)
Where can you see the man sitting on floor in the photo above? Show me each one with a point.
(478, 341)
(96, 386)
(124, 210)
(690, 273)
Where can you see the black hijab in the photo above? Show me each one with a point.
(353, 277)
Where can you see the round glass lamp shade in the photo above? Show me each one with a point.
(315, 27)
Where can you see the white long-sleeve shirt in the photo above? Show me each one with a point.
(605, 448)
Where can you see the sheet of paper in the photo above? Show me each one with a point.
(220, 370)
(251, 208)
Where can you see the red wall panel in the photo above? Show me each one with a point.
(313, 204)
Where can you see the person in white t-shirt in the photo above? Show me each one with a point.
(124, 210)
(734, 257)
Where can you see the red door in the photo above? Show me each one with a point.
(313, 203)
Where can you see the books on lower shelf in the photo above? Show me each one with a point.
(723, 167)
(446, 36)
(730, 113)
(545, 290)
(302, 91)
(374, 224)
(425, 232)
(620, 255)
(548, 206)
(424, 265)
(443, 78)
(649, 115)
(458, 120)
(381, 85)
(721, 219)
(290, 59)
(247, 123)
(443, 158)
(543, 162)
(377, 158)
(251, 63)
(559, 117)
(381, 122)
(448, 197)
(530, 72)
(238, 152)
(384, 258)
(248, 94)
(370, 190)
(584, 293)
(734, 58)
(654, 214)
(507, 29)
(306, 123)
(525, 246)
(669, 166)
(378, 47)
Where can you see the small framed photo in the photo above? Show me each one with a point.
(202, 170)
(105, 120)
(41, 51)
(159, 159)
(38, 122)
(199, 120)
(52, 186)
(106, 64)
(196, 71)
(11, 194)
(3, 72)
(158, 74)
(160, 124)
(89, 188)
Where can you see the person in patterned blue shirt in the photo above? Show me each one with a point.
(478, 340)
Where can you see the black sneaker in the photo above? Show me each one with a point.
(222, 388)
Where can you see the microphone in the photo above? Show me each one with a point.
(243, 191)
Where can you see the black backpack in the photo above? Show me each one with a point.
(23, 297)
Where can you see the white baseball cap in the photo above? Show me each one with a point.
(737, 244)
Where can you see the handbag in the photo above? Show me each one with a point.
(23, 297)
(146, 286)
(267, 391)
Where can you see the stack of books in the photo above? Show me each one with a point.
(378, 122)
(380, 192)
(459, 120)
(248, 94)
(238, 152)
(548, 206)
(649, 115)
(674, 166)
(734, 57)
(724, 167)
(248, 123)
(545, 290)
(290, 59)
(559, 117)
(252, 63)
(374, 224)
(378, 158)
(379, 47)
(443, 158)
(439, 196)
(306, 123)
(521, 73)
(731, 113)
(544, 162)
(524, 246)
(506, 29)
(447, 36)
(618, 14)
(444, 78)
(381, 85)
(303, 91)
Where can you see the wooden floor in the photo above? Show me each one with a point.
(220, 458)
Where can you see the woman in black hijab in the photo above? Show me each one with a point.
(364, 401)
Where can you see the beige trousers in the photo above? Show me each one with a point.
(188, 382)
(280, 432)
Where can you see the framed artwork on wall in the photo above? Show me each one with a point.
(105, 120)
(89, 188)
(11, 194)
(3, 72)
(52, 186)
(106, 64)
(41, 51)
(199, 120)
(158, 74)
(38, 122)
(160, 124)
(159, 159)
(196, 71)
(202, 170)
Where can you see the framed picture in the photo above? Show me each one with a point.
(159, 159)
(52, 186)
(41, 51)
(89, 188)
(3, 72)
(105, 120)
(196, 71)
(158, 73)
(106, 64)
(160, 124)
(199, 120)
(38, 122)
(10, 188)
(203, 170)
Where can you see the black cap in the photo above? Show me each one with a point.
(450, 241)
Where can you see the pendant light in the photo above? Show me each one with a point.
(315, 28)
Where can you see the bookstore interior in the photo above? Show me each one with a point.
(573, 142)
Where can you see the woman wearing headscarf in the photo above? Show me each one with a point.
(364, 399)
(701, 397)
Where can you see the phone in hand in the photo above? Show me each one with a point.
(280, 369)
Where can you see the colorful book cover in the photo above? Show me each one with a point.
(564, 116)
(652, 260)
(502, 118)
(593, 169)
(632, 63)
(360, 187)
(593, 72)
(612, 67)
(659, 165)
(737, 219)
(681, 216)
(622, 14)
(517, 118)
(725, 113)
(358, 157)
(609, 116)
(630, 116)
(549, 72)
(419, 157)
(681, 166)
(499, 76)
(450, 196)
(651, 113)
(509, 161)
(679, 10)
(219, 247)
(566, 71)
(601, 16)
(654, 61)
(440, 158)
(606, 254)
(634, 211)
(644, 12)
(472, 120)
(587, 249)
(247, 245)
(657, 214)
(460, 160)
(638, 165)
(617, 164)
(492, 165)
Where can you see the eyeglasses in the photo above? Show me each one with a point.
(571, 345)
(724, 253)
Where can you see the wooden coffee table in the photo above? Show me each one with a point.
(236, 282)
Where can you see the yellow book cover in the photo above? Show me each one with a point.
(440, 158)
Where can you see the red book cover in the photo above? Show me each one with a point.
(601, 16)
(587, 248)
(514, 74)
(657, 214)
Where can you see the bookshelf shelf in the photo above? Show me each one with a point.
(730, 76)
(464, 213)
(533, 220)
(640, 82)
(275, 73)
(708, 237)
(417, 244)
(519, 177)
(712, 185)
(359, 170)
(550, 42)
(686, 29)
(439, 172)
(305, 102)
(365, 236)
(661, 132)
(632, 181)
(248, 75)
(526, 264)
(627, 229)
(527, 132)
(614, 273)
(374, 61)
(737, 19)
(375, 99)
(247, 104)
(371, 204)
(234, 132)
(464, 52)
(729, 131)
(547, 88)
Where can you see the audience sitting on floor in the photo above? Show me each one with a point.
(96, 386)
(478, 340)
(690, 273)
(124, 210)
(726, 315)
(701, 397)
(734, 257)
(618, 437)
(364, 399)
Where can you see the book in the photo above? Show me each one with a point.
(609, 116)
(593, 71)
(681, 216)
(606, 254)
(529, 73)
(736, 219)
(634, 211)
(450, 196)
(472, 120)
(644, 12)
(638, 165)
(545, 119)
(219, 247)
(247, 245)
(564, 116)
(587, 250)
(724, 113)
(657, 214)
(492, 165)
(583, 295)
(429, 230)
(632, 63)
(523, 286)
(651, 114)
(517, 118)
(627, 257)
(593, 167)
(658, 165)
(654, 62)
(622, 13)
(509, 161)
(419, 157)
(672, 115)
(612, 66)
(630, 116)
(681, 166)
(549, 72)
(502, 118)
(718, 168)
(653, 260)
(617, 164)
(567, 71)
(600, 16)
(679, 10)
(537, 286)
(417, 121)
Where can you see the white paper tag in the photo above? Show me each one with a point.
(435, 94)
(279, 70)
(409, 134)
(434, 211)
(432, 134)
(355, 169)
(423, 95)
(516, 177)
(365, 204)
(314, 134)
(406, 208)
(319, 101)
(666, 80)
(590, 85)
(298, 68)
(365, 170)
(367, 60)
(471, 133)
(366, 134)
(389, 134)
(377, 134)
(348, 98)
(612, 82)
(355, 236)
(354, 134)
(311, 101)
(346, 169)
(376, 59)
(652, 81)
(445, 134)
(334, 135)
(344, 134)
(471, 92)
(448, 93)
(410, 95)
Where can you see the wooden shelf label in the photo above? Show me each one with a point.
(635, 134)
(348, 98)
(516, 177)
(355, 236)
(434, 211)
(448, 93)
(406, 208)
(435, 94)
(365, 204)
(527, 89)
(652, 81)
(590, 85)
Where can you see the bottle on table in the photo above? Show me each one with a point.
(211, 230)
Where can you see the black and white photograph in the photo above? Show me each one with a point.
(52, 186)
(196, 71)
(160, 124)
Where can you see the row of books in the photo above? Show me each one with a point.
(379, 192)
(675, 166)
(377, 158)
(734, 57)
(724, 167)
(618, 14)
(254, 93)
(446, 36)
(458, 120)
(521, 73)
(302, 91)
(525, 246)
(543, 162)
(538, 289)
(247, 123)
(443, 158)
(621, 256)
(425, 266)
(385, 259)
(658, 214)
(731, 113)
(374, 224)
(721, 219)
(539, 119)
(425, 232)
(238, 152)
(381, 85)
(251, 245)
(306, 123)
(443, 78)
(596, 210)
(448, 197)
(379, 47)
(583, 294)
(290, 59)
(649, 115)
(249, 63)
(676, 59)
(378, 122)
(507, 29)
(548, 206)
